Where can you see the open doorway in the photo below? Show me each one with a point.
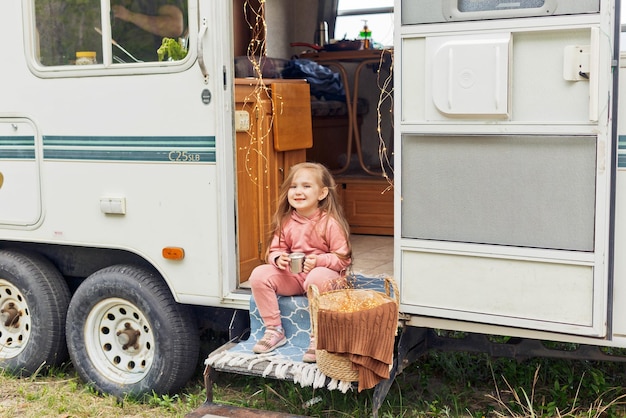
(351, 135)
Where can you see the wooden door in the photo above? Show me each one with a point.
(261, 165)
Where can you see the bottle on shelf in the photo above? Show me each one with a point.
(365, 35)
(323, 34)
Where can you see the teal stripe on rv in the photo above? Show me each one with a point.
(621, 152)
(17, 147)
(187, 149)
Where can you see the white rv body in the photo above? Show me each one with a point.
(76, 169)
(509, 176)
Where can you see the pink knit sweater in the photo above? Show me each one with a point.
(320, 234)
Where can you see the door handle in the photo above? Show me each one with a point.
(203, 29)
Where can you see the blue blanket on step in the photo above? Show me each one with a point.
(284, 362)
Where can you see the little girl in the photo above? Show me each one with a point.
(308, 220)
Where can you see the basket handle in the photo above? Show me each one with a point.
(390, 283)
(313, 294)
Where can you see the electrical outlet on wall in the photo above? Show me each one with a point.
(242, 120)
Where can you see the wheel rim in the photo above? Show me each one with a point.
(15, 320)
(119, 340)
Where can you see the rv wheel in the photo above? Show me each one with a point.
(33, 305)
(127, 335)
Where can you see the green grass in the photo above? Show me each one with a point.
(438, 385)
(60, 393)
(455, 385)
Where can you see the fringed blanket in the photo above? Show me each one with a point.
(285, 362)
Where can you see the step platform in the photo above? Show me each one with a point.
(285, 362)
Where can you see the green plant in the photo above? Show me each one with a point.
(165, 401)
(171, 49)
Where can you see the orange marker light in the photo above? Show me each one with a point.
(173, 253)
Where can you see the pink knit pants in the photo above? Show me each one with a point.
(268, 281)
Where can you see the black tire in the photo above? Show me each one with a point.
(108, 310)
(33, 306)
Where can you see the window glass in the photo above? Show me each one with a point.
(352, 15)
(139, 26)
(345, 5)
(70, 32)
(380, 25)
(65, 27)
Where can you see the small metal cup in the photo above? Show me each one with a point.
(296, 262)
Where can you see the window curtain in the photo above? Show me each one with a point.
(327, 11)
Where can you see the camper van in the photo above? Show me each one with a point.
(477, 153)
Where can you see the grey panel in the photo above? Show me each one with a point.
(529, 191)
(495, 5)
(434, 11)
(421, 11)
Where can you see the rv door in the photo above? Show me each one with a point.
(506, 160)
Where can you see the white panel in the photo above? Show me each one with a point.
(464, 286)
(539, 90)
(470, 74)
(20, 196)
(413, 79)
(536, 87)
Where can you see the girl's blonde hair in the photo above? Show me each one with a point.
(330, 204)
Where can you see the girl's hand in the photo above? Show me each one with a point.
(309, 263)
(282, 262)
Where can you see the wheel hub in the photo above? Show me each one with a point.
(15, 320)
(10, 315)
(128, 337)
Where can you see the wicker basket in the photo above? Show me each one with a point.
(339, 366)
(336, 366)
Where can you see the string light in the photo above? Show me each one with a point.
(352, 300)
(385, 87)
(255, 19)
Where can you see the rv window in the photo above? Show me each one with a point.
(70, 32)
(352, 15)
